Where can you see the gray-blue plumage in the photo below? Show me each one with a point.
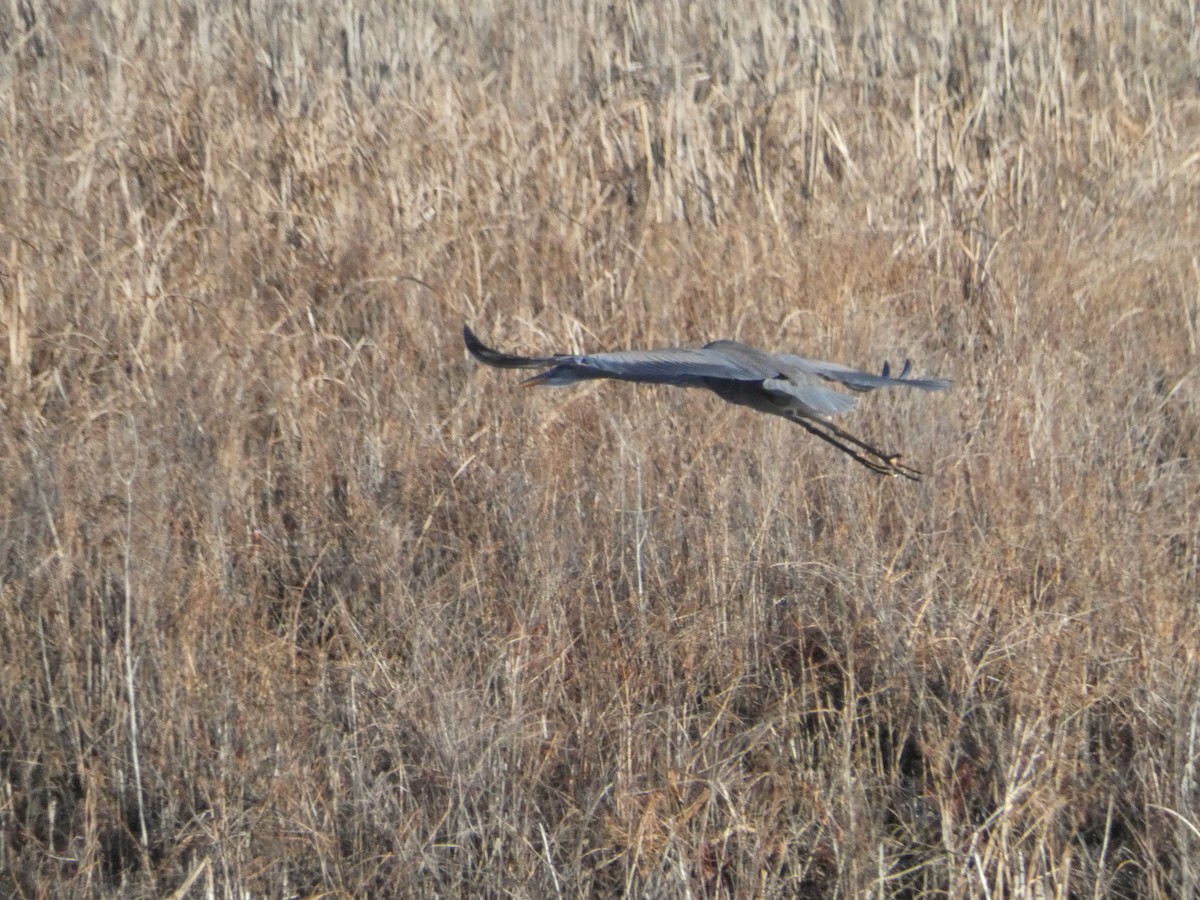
(786, 385)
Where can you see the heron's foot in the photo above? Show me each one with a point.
(887, 465)
(858, 450)
(895, 467)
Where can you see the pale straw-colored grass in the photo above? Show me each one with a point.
(296, 599)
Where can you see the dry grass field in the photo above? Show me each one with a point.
(296, 599)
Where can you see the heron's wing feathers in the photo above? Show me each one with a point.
(862, 381)
(486, 354)
(674, 365)
(812, 397)
(685, 367)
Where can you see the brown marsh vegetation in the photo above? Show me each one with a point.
(296, 599)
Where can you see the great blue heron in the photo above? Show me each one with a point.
(780, 384)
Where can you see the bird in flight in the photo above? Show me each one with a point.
(781, 384)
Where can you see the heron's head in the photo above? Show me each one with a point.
(556, 377)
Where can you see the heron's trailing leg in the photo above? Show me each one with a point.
(891, 460)
(877, 461)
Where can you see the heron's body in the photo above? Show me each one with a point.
(785, 385)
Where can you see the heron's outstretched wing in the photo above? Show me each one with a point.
(672, 365)
(862, 381)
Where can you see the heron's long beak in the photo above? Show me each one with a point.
(540, 378)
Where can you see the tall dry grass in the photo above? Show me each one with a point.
(295, 599)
